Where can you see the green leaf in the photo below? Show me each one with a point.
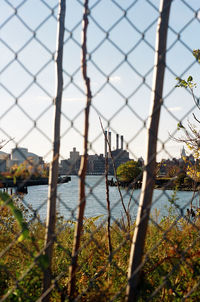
(196, 54)
(180, 125)
(6, 200)
(190, 79)
(23, 235)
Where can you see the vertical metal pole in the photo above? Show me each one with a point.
(122, 142)
(117, 141)
(53, 176)
(110, 139)
(138, 241)
(105, 142)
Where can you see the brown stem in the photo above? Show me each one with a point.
(115, 174)
(53, 177)
(108, 206)
(83, 166)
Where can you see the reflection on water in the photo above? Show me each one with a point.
(96, 199)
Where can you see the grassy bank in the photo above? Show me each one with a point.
(171, 263)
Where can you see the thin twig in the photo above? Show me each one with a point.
(194, 98)
(4, 142)
(115, 174)
(196, 118)
(83, 166)
(108, 206)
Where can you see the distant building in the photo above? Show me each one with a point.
(19, 155)
(74, 156)
(4, 155)
(2, 165)
(96, 164)
(119, 157)
(71, 165)
(183, 153)
(10, 163)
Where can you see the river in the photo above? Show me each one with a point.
(96, 199)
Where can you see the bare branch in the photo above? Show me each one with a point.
(4, 142)
(108, 207)
(83, 166)
(115, 174)
(53, 177)
(196, 118)
(194, 98)
(139, 236)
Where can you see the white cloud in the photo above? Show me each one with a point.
(173, 109)
(115, 79)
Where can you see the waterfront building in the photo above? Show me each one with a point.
(4, 155)
(19, 155)
(74, 155)
(96, 163)
(119, 156)
(71, 165)
(2, 165)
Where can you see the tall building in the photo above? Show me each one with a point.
(71, 165)
(74, 155)
(183, 153)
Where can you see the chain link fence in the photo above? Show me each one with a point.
(88, 71)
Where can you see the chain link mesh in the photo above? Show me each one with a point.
(120, 61)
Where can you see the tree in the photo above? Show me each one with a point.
(28, 169)
(191, 133)
(129, 171)
(172, 171)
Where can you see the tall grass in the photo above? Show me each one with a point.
(171, 266)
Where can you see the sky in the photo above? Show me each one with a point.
(121, 88)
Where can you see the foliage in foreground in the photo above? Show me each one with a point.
(172, 262)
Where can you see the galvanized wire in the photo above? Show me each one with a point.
(28, 55)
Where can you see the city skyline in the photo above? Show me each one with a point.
(2, 153)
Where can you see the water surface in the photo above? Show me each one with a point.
(96, 199)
